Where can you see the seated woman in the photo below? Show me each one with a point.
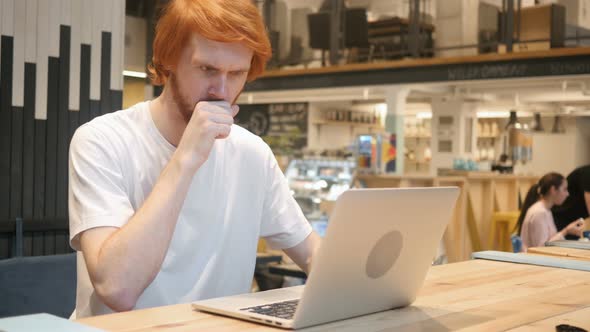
(535, 223)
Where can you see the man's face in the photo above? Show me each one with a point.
(208, 70)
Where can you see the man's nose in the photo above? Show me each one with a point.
(218, 87)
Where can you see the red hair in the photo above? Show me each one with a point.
(225, 21)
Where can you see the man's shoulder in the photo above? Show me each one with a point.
(115, 120)
(113, 124)
(109, 129)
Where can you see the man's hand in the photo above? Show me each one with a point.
(211, 120)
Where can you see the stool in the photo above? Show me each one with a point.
(502, 223)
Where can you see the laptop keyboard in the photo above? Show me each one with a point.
(285, 309)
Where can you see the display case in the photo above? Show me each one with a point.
(315, 180)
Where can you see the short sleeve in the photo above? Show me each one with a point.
(97, 192)
(283, 223)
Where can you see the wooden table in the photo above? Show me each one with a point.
(569, 244)
(562, 252)
(477, 295)
(577, 318)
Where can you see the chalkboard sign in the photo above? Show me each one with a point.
(282, 126)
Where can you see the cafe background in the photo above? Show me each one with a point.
(365, 93)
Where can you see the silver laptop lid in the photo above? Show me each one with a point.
(377, 250)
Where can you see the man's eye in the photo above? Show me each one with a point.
(207, 69)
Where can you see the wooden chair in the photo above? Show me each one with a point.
(502, 225)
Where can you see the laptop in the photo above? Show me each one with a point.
(378, 247)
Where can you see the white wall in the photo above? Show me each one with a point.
(559, 152)
(583, 141)
(135, 46)
(577, 12)
(458, 134)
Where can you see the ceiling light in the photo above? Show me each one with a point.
(424, 115)
(131, 73)
(492, 114)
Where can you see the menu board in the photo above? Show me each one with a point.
(282, 126)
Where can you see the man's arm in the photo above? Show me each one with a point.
(303, 253)
(122, 262)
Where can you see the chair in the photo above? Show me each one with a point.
(34, 237)
(38, 284)
(502, 224)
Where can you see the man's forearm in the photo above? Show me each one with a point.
(302, 254)
(131, 257)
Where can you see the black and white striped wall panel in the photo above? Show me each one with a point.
(61, 64)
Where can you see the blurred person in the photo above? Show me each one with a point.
(577, 205)
(535, 223)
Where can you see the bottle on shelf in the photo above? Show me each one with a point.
(518, 141)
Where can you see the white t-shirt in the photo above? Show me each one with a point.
(238, 195)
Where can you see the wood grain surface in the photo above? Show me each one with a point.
(475, 295)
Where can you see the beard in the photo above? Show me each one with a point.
(184, 105)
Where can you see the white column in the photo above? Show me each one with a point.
(453, 132)
(395, 99)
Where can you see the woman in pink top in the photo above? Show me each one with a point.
(535, 223)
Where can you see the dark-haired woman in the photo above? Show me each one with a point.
(535, 224)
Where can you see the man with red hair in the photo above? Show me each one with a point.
(168, 198)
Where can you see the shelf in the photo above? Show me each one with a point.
(417, 162)
(372, 127)
(417, 137)
(487, 137)
(347, 123)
